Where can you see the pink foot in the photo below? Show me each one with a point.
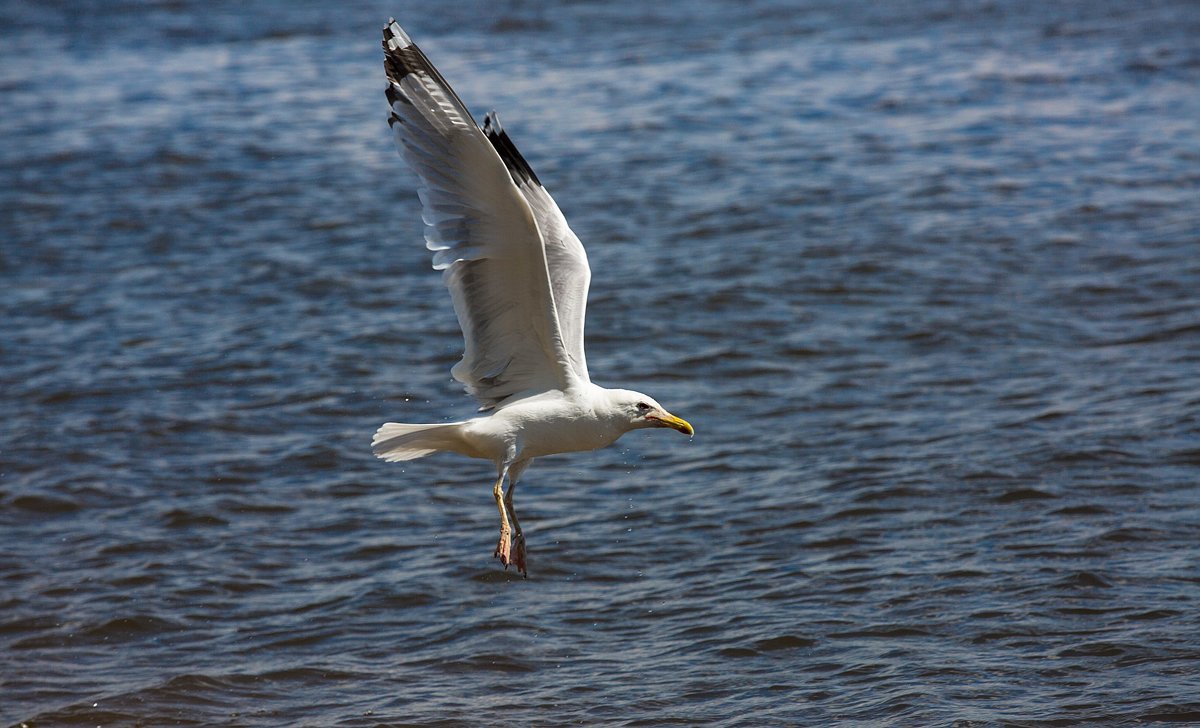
(519, 555)
(504, 548)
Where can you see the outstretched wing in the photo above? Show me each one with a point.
(570, 274)
(483, 231)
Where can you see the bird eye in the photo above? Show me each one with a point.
(642, 406)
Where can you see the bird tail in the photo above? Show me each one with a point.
(396, 441)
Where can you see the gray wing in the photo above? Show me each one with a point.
(570, 274)
(483, 231)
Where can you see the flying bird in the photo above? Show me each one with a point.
(519, 280)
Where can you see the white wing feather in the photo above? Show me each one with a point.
(570, 275)
(484, 234)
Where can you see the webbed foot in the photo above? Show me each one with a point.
(519, 554)
(504, 548)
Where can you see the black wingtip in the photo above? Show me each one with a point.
(401, 57)
(516, 164)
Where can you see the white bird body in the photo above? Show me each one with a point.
(518, 277)
(545, 423)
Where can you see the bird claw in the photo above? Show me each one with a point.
(504, 549)
(511, 551)
(519, 554)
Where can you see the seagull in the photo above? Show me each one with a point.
(519, 280)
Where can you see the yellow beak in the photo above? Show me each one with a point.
(666, 419)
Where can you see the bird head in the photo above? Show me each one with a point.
(642, 411)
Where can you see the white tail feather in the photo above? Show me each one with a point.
(397, 441)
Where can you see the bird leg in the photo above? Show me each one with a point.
(518, 537)
(504, 546)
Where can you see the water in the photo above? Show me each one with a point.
(924, 277)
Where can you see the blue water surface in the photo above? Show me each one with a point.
(924, 276)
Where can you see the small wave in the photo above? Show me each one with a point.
(1023, 494)
(836, 542)
(784, 642)
(180, 518)
(883, 632)
(1087, 580)
(489, 662)
(44, 504)
(1173, 713)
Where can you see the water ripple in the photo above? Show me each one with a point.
(923, 277)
